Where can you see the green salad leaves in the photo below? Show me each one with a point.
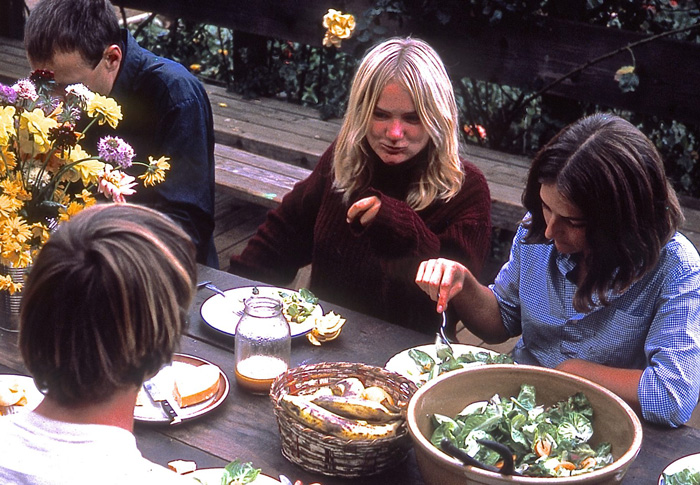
(687, 476)
(429, 368)
(297, 307)
(551, 442)
(236, 473)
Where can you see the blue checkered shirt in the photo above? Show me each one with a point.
(654, 325)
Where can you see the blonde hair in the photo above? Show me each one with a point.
(415, 66)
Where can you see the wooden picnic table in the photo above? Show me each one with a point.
(244, 426)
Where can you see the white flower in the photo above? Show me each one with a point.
(81, 91)
(25, 89)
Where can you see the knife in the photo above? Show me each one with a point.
(168, 404)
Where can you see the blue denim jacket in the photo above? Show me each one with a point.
(166, 111)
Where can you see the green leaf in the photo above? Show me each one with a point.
(240, 473)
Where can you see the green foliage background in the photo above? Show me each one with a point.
(321, 77)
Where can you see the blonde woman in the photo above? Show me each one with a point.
(390, 192)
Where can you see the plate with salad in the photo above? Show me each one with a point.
(423, 363)
(236, 472)
(684, 471)
(222, 312)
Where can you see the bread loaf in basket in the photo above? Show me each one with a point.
(324, 453)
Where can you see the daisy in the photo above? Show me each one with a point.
(155, 173)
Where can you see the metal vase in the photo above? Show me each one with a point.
(9, 304)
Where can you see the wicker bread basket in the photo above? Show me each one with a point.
(321, 453)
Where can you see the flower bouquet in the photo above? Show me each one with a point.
(46, 176)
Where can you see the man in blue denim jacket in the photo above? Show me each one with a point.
(166, 111)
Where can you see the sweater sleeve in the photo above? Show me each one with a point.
(459, 229)
(284, 242)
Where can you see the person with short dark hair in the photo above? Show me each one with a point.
(102, 310)
(599, 283)
(165, 109)
(391, 191)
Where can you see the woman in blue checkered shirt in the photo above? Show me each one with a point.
(599, 283)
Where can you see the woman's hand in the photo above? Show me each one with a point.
(441, 279)
(365, 209)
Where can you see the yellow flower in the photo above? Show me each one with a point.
(105, 110)
(7, 124)
(72, 209)
(40, 231)
(622, 71)
(9, 205)
(339, 26)
(76, 154)
(155, 173)
(89, 171)
(15, 230)
(8, 160)
(87, 198)
(34, 127)
(7, 284)
(14, 188)
(22, 257)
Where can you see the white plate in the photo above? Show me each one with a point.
(403, 364)
(220, 313)
(690, 461)
(34, 397)
(212, 476)
(152, 412)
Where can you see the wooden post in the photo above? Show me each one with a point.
(250, 52)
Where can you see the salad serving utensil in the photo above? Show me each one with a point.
(508, 467)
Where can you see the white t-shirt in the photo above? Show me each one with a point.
(35, 450)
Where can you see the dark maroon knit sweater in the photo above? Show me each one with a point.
(370, 270)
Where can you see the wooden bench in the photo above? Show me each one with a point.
(264, 146)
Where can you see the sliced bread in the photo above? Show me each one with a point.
(194, 384)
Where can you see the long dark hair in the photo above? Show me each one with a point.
(615, 176)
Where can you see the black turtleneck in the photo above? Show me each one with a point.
(395, 180)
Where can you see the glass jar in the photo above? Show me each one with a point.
(263, 344)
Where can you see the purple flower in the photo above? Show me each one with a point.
(113, 149)
(7, 94)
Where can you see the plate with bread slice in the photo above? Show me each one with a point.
(223, 311)
(193, 386)
(18, 394)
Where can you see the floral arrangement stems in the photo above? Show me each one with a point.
(46, 176)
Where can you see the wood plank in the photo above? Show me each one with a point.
(255, 178)
(13, 60)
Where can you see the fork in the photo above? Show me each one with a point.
(211, 286)
(441, 335)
